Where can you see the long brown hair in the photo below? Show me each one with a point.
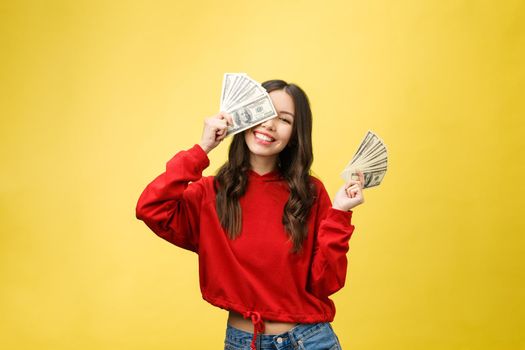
(294, 162)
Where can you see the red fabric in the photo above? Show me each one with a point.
(254, 274)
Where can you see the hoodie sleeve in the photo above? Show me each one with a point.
(329, 262)
(170, 204)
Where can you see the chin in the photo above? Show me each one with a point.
(263, 152)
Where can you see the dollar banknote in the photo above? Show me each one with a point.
(247, 115)
(371, 158)
(246, 100)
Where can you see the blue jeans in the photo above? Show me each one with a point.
(315, 336)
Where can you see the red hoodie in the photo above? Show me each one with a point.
(255, 274)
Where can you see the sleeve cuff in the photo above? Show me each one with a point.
(201, 158)
(340, 216)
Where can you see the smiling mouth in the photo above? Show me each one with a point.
(263, 137)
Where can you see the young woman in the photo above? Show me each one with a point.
(271, 246)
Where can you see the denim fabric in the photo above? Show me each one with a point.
(316, 336)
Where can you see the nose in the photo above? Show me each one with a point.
(269, 124)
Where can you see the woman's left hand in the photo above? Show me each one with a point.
(350, 195)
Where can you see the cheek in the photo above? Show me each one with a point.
(247, 135)
(288, 135)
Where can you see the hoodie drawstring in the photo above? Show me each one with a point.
(258, 325)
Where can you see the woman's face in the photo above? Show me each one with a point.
(271, 137)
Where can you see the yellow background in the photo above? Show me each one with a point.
(96, 96)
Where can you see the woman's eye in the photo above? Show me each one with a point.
(285, 120)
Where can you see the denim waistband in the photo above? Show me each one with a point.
(291, 338)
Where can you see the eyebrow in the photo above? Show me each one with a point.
(285, 112)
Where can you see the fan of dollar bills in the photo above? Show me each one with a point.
(246, 100)
(371, 158)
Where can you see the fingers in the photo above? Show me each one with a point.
(353, 190)
(354, 183)
(215, 130)
(219, 123)
(361, 178)
(349, 196)
(226, 117)
(220, 134)
(360, 181)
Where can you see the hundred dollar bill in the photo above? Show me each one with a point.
(252, 113)
(228, 85)
(374, 178)
(250, 91)
(365, 146)
(371, 158)
(236, 81)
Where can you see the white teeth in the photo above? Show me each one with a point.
(263, 137)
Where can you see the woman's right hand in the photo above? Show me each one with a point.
(214, 131)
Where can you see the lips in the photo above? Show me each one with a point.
(263, 137)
